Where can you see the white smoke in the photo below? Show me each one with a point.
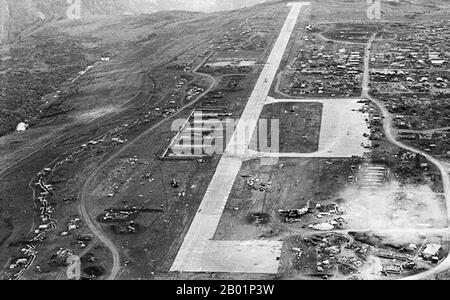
(393, 206)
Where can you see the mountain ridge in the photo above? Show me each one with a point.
(16, 16)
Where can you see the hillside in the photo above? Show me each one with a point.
(151, 56)
(16, 16)
(34, 68)
(199, 5)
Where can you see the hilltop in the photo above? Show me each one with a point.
(17, 16)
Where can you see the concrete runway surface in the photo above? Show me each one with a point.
(341, 131)
(199, 253)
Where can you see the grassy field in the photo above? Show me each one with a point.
(299, 125)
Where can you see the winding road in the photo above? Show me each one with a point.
(427, 131)
(388, 129)
(84, 195)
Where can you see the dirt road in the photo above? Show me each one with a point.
(84, 195)
(388, 129)
(199, 253)
(427, 131)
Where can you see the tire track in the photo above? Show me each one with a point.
(84, 195)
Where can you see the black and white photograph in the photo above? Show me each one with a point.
(225, 146)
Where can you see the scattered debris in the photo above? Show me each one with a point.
(22, 127)
(257, 184)
(288, 215)
(175, 183)
(392, 270)
(258, 218)
(322, 227)
(430, 251)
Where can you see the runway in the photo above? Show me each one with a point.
(199, 253)
(341, 132)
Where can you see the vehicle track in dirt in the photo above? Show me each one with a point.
(84, 195)
(133, 105)
(390, 136)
